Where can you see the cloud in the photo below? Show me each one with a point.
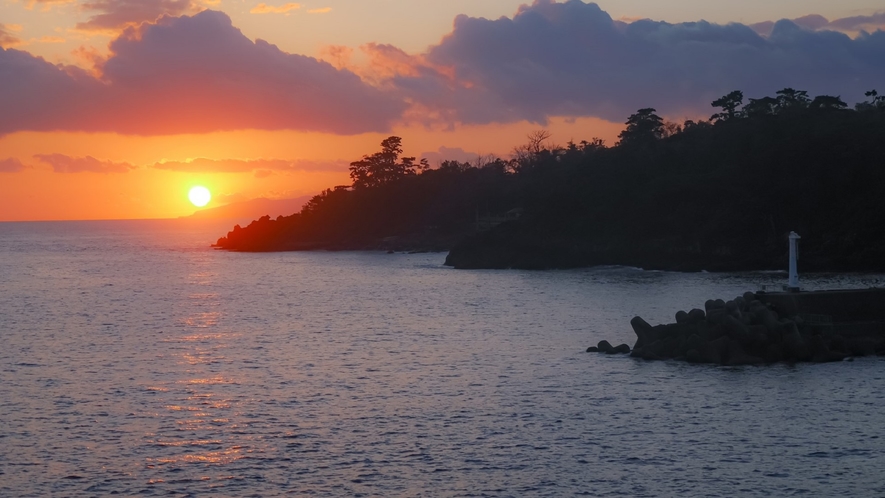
(7, 39)
(849, 25)
(572, 59)
(191, 74)
(858, 23)
(46, 5)
(264, 8)
(11, 165)
(324, 10)
(259, 166)
(449, 154)
(114, 15)
(198, 73)
(66, 164)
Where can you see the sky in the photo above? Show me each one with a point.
(114, 109)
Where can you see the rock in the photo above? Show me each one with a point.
(592, 349)
(737, 356)
(737, 330)
(733, 309)
(670, 348)
(837, 343)
(715, 332)
(714, 351)
(696, 315)
(709, 305)
(769, 319)
(750, 298)
(820, 353)
(653, 351)
(681, 317)
(759, 336)
(716, 315)
(837, 356)
(644, 332)
(604, 347)
(693, 356)
(622, 349)
(693, 342)
(861, 346)
(773, 354)
(794, 346)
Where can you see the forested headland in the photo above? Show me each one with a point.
(717, 195)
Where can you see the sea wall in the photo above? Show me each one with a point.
(764, 328)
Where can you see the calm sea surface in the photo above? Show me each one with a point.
(136, 360)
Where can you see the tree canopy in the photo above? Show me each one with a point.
(700, 195)
(643, 128)
(385, 166)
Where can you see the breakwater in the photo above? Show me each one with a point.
(760, 328)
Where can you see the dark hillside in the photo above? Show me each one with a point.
(718, 195)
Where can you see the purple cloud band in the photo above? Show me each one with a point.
(573, 59)
(195, 74)
(190, 74)
(203, 165)
(66, 164)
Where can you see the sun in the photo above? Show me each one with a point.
(199, 196)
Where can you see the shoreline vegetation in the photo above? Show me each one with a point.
(717, 195)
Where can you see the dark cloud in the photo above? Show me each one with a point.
(815, 22)
(190, 75)
(118, 14)
(11, 165)
(66, 164)
(261, 167)
(812, 22)
(196, 74)
(572, 59)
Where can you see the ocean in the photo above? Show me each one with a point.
(137, 360)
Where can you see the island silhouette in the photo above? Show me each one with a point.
(718, 194)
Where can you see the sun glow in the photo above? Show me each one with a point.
(199, 196)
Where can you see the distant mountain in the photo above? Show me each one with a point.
(252, 209)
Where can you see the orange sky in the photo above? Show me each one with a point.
(127, 125)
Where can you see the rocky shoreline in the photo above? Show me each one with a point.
(749, 331)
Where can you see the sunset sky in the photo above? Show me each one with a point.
(113, 109)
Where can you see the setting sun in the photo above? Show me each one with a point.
(199, 196)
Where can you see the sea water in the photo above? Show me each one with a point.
(137, 360)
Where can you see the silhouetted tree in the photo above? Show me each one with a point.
(716, 195)
(789, 98)
(828, 102)
(766, 106)
(384, 167)
(535, 150)
(729, 104)
(643, 129)
(876, 102)
(670, 128)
